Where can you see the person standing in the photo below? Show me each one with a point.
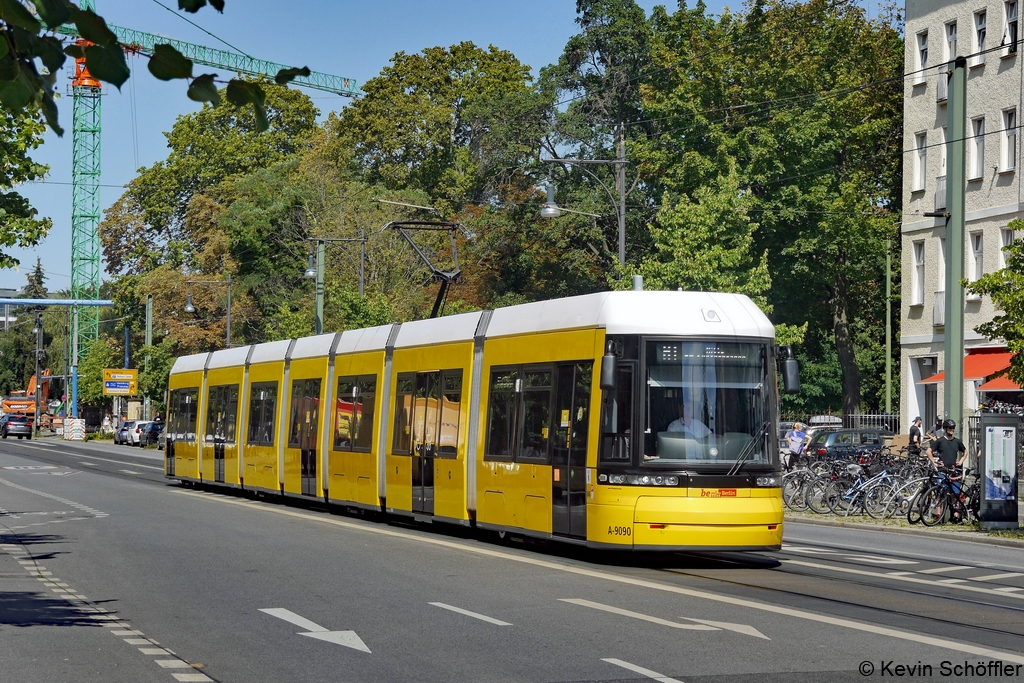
(947, 449)
(797, 439)
(936, 431)
(915, 436)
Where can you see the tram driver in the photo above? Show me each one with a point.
(688, 424)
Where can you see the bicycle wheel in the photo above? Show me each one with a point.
(934, 505)
(793, 491)
(879, 500)
(839, 496)
(814, 495)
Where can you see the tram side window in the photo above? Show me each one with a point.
(536, 415)
(173, 414)
(402, 441)
(451, 408)
(305, 413)
(617, 417)
(353, 413)
(221, 413)
(190, 410)
(503, 399)
(262, 413)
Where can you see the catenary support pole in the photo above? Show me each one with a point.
(39, 372)
(956, 112)
(228, 346)
(888, 327)
(321, 251)
(149, 342)
(620, 180)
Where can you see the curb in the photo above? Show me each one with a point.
(967, 536)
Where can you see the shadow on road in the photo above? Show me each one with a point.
(38, 609)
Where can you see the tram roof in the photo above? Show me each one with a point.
(682, 314)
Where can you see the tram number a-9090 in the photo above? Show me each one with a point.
(620, 531)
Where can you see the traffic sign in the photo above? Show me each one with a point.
(120, 382)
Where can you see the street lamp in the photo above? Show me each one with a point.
(315, 270)
(552, 210)
(190, 307)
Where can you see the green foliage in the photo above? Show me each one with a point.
(104, 352)
(1006, 287)
(20, 226)
(153, 382)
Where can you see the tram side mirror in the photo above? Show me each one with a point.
(790, 373)
(609, 368)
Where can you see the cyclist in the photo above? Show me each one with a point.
(950, 450)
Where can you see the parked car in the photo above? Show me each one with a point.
(829, 443)
(137, 433)
(154, 430)
(14, 424)
(121, 435)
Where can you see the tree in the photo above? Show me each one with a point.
(104, 352)
(1006, 287)
(147, 226)
(29, 35)
(20, 132)
(425, 122)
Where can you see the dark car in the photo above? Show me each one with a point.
(152, 435)
(17, 425)
(121, 434)
(841, 441)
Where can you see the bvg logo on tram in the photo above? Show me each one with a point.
(718, 493)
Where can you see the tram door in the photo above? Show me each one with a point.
(426, 433)
(303, 433)
(569, 450)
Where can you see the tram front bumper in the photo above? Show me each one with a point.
(709, 523)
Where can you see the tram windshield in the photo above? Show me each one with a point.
(706, 402)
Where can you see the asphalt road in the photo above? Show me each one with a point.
(110, 573)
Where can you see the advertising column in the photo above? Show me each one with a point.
(1000, 435)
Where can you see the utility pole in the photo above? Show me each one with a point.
(39, 374)
(888, 327)
(321, 248)
(956, 113)
(149, 342)
(620, 181)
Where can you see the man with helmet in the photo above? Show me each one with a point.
(949, 449)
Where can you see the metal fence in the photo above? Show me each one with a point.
(972, 440)
(884, 421)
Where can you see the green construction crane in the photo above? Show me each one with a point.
(85, 145)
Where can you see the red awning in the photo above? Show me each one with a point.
(979, 364)
(1000, 384)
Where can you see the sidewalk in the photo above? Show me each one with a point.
(902, 526)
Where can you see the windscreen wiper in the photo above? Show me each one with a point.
(748, 449)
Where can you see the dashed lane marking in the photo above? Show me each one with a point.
(996, 577)
(637, 615)
(128, 471)
(105, 618)
(910, 636)
(943, 570)
(91, 457)
(466, 612)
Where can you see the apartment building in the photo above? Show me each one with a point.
(987, 32)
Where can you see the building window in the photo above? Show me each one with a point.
(1006, 238)
(1009, 140)
(917, 299)
(1010, 31)
(980, 30)
(977, 169)
(922, 56)
(977, 251)
(941, 271)
(920, 161)
(950, 41)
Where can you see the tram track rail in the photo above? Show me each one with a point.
(942, 624)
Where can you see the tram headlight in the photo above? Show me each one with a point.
(767, 481)
(616, 478)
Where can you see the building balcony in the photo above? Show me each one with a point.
(940, 193)
(939, 309)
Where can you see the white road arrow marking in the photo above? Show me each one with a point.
(739, 628)
(345, 638)
(642, 671)
(637, 615)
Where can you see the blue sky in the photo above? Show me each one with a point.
(353, 39)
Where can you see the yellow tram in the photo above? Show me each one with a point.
(635, 420)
